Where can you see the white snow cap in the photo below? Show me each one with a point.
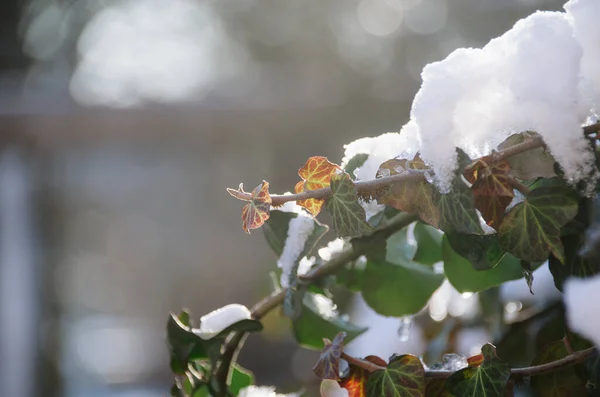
(217, 320)
(525, 80)
(542, 75)
(582, 302)
(263, 391)
(584, 15)
(299, 229)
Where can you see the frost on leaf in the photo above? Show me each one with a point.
(411, 195)
(488, 379)
(328, 365)
(531, 229)
(315, 174)
(404, 376)
(348, 215)
(491, 188)
(256, 212)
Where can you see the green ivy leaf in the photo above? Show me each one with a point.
(404, 376)
(399, 289)
(574, 265)
(355, 162)
(399, 248)
(437, 388)
(531, 229)
(328, 365)
(240, 378)
(429, 244)
(488, 379)
(276, 230)
(320, 319)
(561, 383)
(348, 216)
(457, 210)
(351, 275)
(482, 251)
(465, 278)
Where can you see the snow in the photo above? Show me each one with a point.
(582, 303)
(331, 388)
(263, 391)
(216, 321)
(299, 229)
(541, 76)
(584, 15)
(333, 248)
(379, 149)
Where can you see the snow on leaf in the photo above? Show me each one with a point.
(315, 174)
(404, 376)
(531, 229)
(488, 379)
(528, 79)
(562, 383)
(413, 196)
(582, 303)
(256, 212)
(216, 321)
(328, 365)
(263, 391)
(536, 163)
(348, 216)
(331, 388)
(490, 186)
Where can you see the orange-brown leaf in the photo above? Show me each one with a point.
(317, 171)
(315, 174)
(312, 205)
(257, 211)
(475, 361)
(491, 188)
(357, 377)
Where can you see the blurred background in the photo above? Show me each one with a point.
(121, 124)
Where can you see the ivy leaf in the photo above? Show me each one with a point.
(398, 289)
(348, 215)
(276, 229)
(490, 186)
(355, 162)
(404, 376)
(457, 209)
(437, 388)
(483, 252)
(412, 196)
(429, 244)
(528, 274)
(399, 248)
(531, 229)
(256, 212)
(591, 247)
(328, 365)
(574, 264)
(488, 379)
(240, 378)
(320, 319)
(315, 174)
(560, 383)
(532, 164)
(465, 278)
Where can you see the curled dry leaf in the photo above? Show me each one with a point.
(256, 212)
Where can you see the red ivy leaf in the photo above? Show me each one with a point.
(328, 366)
(257, 211)
(315, 174)
(492, 191)
(475, 361)
(357, 377)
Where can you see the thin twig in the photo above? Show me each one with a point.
(515, 373)
(515, 184)
(366, 187)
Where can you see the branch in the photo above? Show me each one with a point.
(515, 373)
